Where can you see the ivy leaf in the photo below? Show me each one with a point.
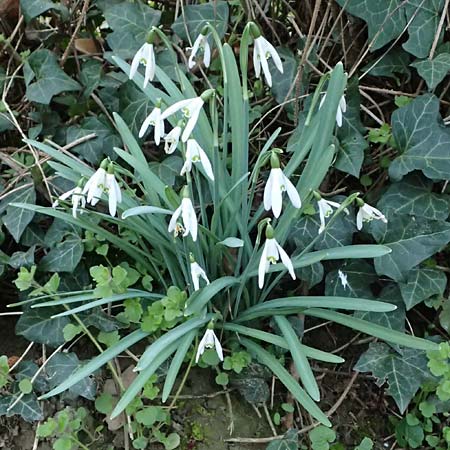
(130, 23)
(27, 407)
(42, 66)
(196, 16)
(19, 259)
(312, 274)
(17, 219)
(37, 325)
(394, 320)
(61, 367)
(422, 29)
(411, 239)
(65, 256)
(413, 196)
(422, 139)
(34, 8)
(385, 18)
(134, 106)
(433, 71)
(338, 234)
(350, 136)
(282, 82)
(405, 371)
(360, 274)
(421, 284)
(288, 442)
(94, 150)
(395, 61)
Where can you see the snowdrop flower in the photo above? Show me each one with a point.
(103, 181)
(196, 273)
(187, 212)
(342, 108)
(113, 190)
(77, 198)
(209, 340)
(146, 56)
(191, 110)
(262, 51)
(325, 210)
(155, 119)
(367, 213)
(272, 252)
(343, 278)
(276, 184)
(95, 186)
(172, 139)
(195, 154)
(201, 43)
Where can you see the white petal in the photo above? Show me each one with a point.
(276, 194)
(265, 68)
(218, 347)
(200, 350)
(257, 58)
(339, 117)
(206, 54)
(135, 63)
(176, 107)
(194, 51)
(195, 112)
(292, 192)
(174, 219)
(187, 167)
(268, 192)
(206, 163)
(274, 54)
(147, 122)
(262, 266)
(150, 65)
(112, 194)
(359, 219)
(286, 261)
(343, 104)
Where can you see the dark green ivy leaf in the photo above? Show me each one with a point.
(405, 371)
(196, 16)
(411, 239)
(433, 71)
(38, 326)
(422, 139)
(49, 79)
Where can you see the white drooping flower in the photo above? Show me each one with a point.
(367, 213)
(187, 212)
(262, 51)
(96, 184)
(325, 211)
(195, 154)
(191, 108)
(201, 43)
(113, 191)
(103, 181)
(155, 119)
(77, 198)
(341, 109)
(278, 183)
(271, 253)
(145, 55)
(172, 139)
(196, 273)
(209, 340)
(343, 278)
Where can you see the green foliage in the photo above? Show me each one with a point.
(404, 370)
(433, 71)
(237, 361)
(4, 370)
(45, 79)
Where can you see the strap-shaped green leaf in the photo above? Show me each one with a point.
(288, 381)
(301, 363)
(373, 329)
(98, 362)
(274, 339)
